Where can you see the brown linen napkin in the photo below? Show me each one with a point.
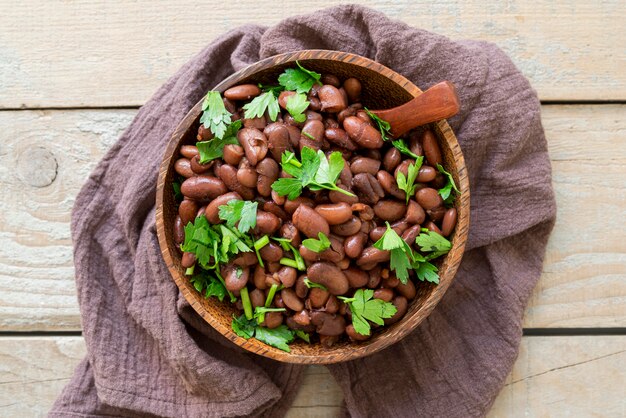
(150, 354)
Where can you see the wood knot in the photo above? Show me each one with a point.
(37, 167)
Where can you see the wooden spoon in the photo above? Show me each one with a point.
(438, 102)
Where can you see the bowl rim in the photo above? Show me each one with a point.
(356, 350)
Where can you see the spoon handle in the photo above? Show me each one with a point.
(438, 102)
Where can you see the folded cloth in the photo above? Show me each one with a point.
(149, 353)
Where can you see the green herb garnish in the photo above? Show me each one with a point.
(265, 102)
(278, 337)
(214, 148)
(317, 245)
(240, 211)
(404, 149)
(433, 243)
(446, 191)
(214, 114)
(296, 105)
(401, 255)
(364, 308)
(407, 183)
(299, 79)
(311, 284)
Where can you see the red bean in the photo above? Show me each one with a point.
(309, 222)
(233, 154)
(335, 213)
(449, 222)
(362, 133)
(254, 144)
(401, 304)
(353, 245)
(183, 167)
(393, 157)
(431, 149)
(356, 277)
(212, 210)
(365, 165)
(187, 211)
(331, 99)
(390, 210)
(350, 227)
(414, 213)
(242, 92)
(329, 276)
(266, 223)
(202, 188)
(428, 198)
(292, 300)
(188, 260)
(426, 174)
(179, 231)
(188, 151)
(352, 86)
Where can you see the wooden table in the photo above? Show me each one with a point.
(72, 75)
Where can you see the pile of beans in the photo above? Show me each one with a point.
(335, 121)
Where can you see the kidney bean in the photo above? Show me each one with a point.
(271, 252)
(187, 211)
(390, 282)
(279, 200)
(403, 168)
(256, 123)
(414, 145)
(294, 135)
(352, 86)
(392, 159)
(335, 253)
(365, 165)
(273, 320)
(439, 181)
(315, 129)
(331, 99)
(390, 210)
(246, 259)
(410, 234)
(335, 213)
(272, 207)
(428, 198)
(330, 79)
(362, 133)
(354, 244)
(402, 305)
(362, 114)
(431, 149)
(388, 183)
(268, 173)
(292, 205)
(254, 144)
(257, 298)
(348, 111)
(309, 222)
(400, 226)
(202, 188)
(355, 336)
(309, 256)
(183, 167)
(279, 142)
(407, 290)
(311, 115)
(289, 231)
(329, 276)
(374, 277)
(228, 175)
(318, 297)
(343, 264)
(328, 324)
(366, 213)
(356, 277)
(198, 168)
(292, 300)
(233, 154)
(377, 233)
(212, 210)
(235, 277)
(287, 276)
(430, 225)
(414, 213)
(350, 227)
(367, 188)
(372, 255)
(340, 137)
(204, 134)
(300, 287)
(188, 151)
(246, 175)
(258, 277)
(315, 104)
(337, 197)
(242, 92)
(284, 96)
(302, 318)
(426, 174)
(179, 230)
(188, 260)
(266, 223)
(436, 214)
(271, 279)
(383, 294)
(332, 305)
(449, 222)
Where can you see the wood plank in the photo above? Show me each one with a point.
(553, 376)
(92, 53)
(583, 283)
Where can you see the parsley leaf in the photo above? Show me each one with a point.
(214, 148)
(257, 107)
(278, 337)
(427, 271)
(383, 125)
(404, 149)
(446, 190)
(364, 309)
(211, 285)
(317, 245)
(401, 256)
(296, 105)
(303, 336)
(314, 172)
(214, 114)
(274, 89)
(299, 79)
(407, 183)
(434, 243)
(240, 211)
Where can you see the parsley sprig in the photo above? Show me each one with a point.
(264, 102)
(315, 172)
(299, 79)
(296, 105)
(214, 148)
(242, 211)
(446, 191)
(317, 245)
(433, 243)
(210, 284)
(364, 308)
(278, 337)
(214, 114)
(407, 183)
(385, 132)
(401, 257)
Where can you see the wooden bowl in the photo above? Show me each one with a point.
(382, 88)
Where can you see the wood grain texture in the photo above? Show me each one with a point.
(381, 86)
(95, 53)
(553, 377)
(584, 278)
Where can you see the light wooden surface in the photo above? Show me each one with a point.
(86, 53)
(33, 370)
(90, 54)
